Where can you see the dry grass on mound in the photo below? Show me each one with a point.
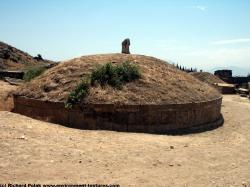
(207, 77)
(161, 83)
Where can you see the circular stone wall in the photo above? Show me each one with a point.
(159, 119)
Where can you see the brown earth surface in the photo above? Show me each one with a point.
(6, 100)
(12, 58)
(207, 77)
(161, 83)
(32, 151)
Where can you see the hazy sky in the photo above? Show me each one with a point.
(202, 34)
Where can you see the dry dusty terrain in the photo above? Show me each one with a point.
(32, 151)
(6, 101)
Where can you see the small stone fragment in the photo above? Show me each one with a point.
(22, 137)
(171, 147)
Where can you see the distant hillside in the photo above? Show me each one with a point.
(12, 58)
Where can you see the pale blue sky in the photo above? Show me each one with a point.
(202, 34)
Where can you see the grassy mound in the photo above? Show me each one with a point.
(160, 82)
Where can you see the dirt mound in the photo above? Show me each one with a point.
(15, 59)
(207, 77)
(161, 83)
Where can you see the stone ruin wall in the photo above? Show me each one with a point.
(12, 74)
(173, 118)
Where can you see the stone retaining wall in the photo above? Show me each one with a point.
(225, 89)
(173, 118)
(11, 74)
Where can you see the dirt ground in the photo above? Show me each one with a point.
(32, 151)
(6, 101)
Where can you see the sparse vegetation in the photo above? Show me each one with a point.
(38, 57)
(33, 72)
(115, 75)
(78, 93)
